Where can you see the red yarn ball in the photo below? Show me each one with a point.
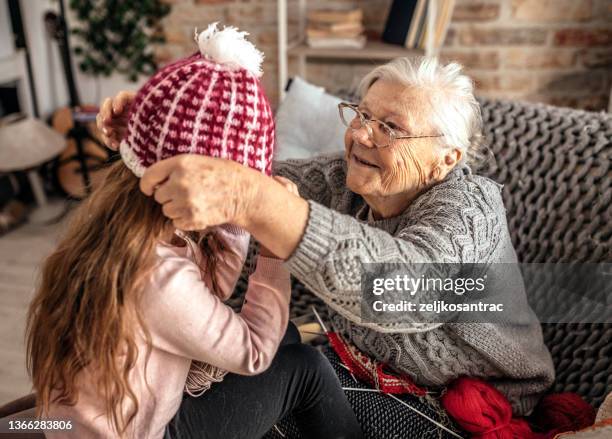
(478, 408)
(482, 410)
(560, 412)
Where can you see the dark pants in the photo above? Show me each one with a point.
(300, 381)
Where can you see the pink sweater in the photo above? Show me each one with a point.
(187, 321)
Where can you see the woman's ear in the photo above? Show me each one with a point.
(452, 157)
(446, 164)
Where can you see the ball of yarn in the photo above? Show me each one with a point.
(562, 412)
(482, 410)
(478, 408)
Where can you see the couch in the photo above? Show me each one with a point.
(555, 167)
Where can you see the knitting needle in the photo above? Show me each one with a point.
(407, 405)
(319, 319)
(349, 370)
(378, 391)
(279, 431)
(312, 332)
(325, 329)
(425, 416)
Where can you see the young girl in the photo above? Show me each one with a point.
(130, 311)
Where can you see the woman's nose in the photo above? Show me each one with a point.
(361, 136)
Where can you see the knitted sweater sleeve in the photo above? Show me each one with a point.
(451, 223)
(186, 319)
(318, 179)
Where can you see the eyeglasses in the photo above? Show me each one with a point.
(381, 134)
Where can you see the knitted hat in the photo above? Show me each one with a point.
(210, 103)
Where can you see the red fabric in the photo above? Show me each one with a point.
(482, 410)
(371, 371)
(198, 106)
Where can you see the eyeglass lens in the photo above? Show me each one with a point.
(378, 132)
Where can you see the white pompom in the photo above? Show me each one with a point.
(230, 46)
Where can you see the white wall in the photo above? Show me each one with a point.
(47, 67)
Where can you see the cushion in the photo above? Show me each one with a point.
(307, 122)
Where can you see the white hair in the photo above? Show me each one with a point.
(455, 111)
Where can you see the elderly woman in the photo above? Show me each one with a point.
(403, 191)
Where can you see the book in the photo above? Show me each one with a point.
(441, 25)
(335, 43)
(420, 29)
(336, 27)
(399, 21)
(335, 15)
(445, 24)
(415, 24)
(407, 23)
(421, 39)
(320, 33)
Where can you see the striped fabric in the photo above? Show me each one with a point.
(198, 106)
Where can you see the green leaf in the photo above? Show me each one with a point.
(117, 35)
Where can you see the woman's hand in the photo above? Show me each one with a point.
(112, 118)
(291, 188)
(198, 192)
(287, 184)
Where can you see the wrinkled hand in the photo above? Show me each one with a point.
(198, 192)
(287, 184)
(291, 187)
(112, 118)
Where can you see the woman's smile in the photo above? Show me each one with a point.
(363, 162)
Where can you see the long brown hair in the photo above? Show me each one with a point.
(86, 309)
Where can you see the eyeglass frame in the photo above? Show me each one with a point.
(365, 124)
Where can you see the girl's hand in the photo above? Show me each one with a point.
(112, 118)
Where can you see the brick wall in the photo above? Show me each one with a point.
(554, 51)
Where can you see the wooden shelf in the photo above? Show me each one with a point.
(372, 50)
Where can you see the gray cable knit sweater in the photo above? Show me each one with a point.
(462, 220)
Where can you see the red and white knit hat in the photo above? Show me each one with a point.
(210, 103)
